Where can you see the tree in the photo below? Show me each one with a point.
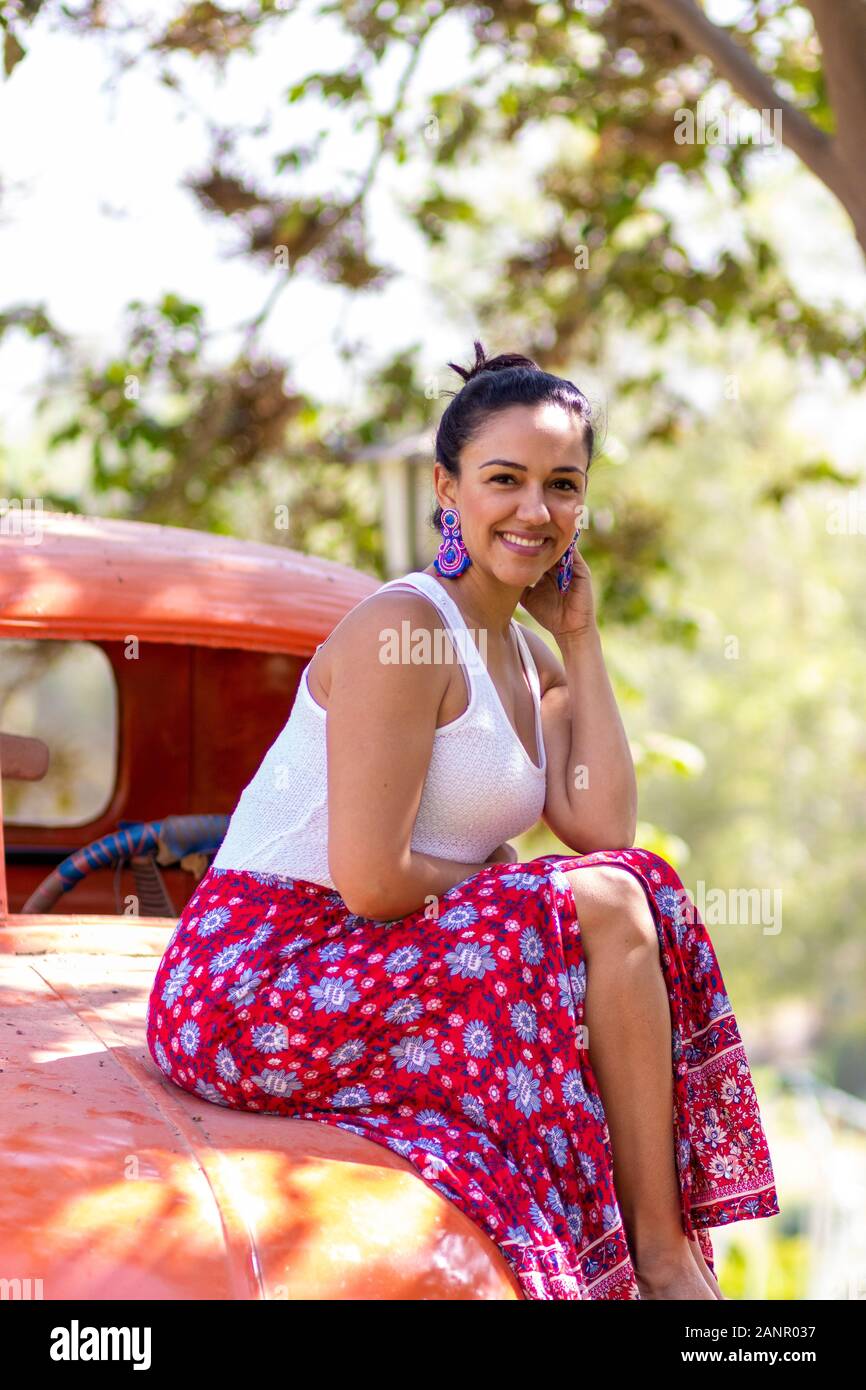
(607, 82)
(836, 158)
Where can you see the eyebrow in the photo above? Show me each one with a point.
(508, 463)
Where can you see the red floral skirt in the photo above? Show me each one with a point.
(458, 1042)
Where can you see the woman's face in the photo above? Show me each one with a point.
(521, 487)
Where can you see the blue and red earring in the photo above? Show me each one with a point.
(452, 558)
(565, 568)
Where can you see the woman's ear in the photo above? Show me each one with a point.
(442, 486)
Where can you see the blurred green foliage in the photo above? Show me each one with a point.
(578, 106)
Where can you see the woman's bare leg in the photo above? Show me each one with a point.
(704, 1267)
(627, 1016)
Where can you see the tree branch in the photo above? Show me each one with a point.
(364, 185)
(731, 61)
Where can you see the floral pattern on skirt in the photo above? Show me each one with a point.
(457, 1041)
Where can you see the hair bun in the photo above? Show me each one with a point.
(502, 363)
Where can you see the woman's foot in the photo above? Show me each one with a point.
(712, 1281)
(672, 1275)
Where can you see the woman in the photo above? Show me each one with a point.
(365, 952)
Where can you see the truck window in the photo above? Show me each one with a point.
(65, 694)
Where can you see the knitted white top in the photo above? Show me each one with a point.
(481, 788)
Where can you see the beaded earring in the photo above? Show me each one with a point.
(452, 557)
(565, 568)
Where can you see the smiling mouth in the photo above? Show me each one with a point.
(530, 546)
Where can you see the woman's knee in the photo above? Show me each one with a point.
(612, 906)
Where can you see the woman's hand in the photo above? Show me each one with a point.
(565, 614)
(503, 854)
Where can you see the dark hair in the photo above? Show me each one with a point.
(496, 383)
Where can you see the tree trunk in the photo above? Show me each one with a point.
(841, 28)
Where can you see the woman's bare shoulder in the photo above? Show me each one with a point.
(372, 636)
(384, 612)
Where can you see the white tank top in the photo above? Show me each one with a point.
(481, 788)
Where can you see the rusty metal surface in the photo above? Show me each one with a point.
(116, 1184)
(95, 578)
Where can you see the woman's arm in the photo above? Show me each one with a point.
(380, 727)
(591, 800)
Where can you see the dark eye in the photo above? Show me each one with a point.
(572, 487)
(502, 478)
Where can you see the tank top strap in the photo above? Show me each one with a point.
(529, 663)
(535, 687)
(453, 619)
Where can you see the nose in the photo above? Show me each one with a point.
(532, 508)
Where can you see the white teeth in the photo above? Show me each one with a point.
(519, 540)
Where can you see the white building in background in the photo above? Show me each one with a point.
(406, 478)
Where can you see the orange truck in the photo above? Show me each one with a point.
(144, 671)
